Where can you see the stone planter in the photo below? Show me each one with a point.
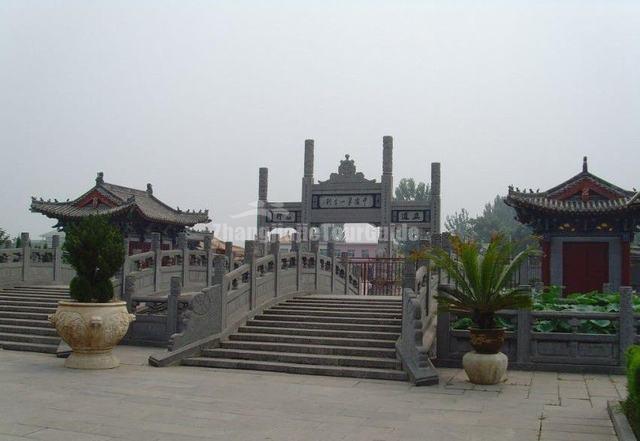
(92, 330)
(485, 368)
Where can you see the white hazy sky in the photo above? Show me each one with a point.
(195, 96)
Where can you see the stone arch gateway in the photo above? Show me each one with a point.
(349, 197)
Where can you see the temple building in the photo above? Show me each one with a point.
(586, 226)
(137, 213)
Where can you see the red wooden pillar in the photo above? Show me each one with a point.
(546, 261)
(625, 279)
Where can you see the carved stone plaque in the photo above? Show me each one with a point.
(409, 216)
(334, 201)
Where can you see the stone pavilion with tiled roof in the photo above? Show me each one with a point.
(137, 213)
(586, 226)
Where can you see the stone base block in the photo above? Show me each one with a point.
(485, 368)
(104, 360)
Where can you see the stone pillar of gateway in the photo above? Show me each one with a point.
(347, 196)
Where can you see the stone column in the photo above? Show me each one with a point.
(129, 289)
(386, 200)
(307, 186)
(315, 249)
(295, 242)
(347, 269)
(409, 275)
(435, 197)
(172, 305)
(275, 252)
(26, 256)
(57, 258)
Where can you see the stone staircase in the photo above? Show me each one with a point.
(343, 336)
(23, 318)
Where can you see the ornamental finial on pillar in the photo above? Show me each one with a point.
(585, 165)
(149, 189)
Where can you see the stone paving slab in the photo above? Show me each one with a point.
(41, 400)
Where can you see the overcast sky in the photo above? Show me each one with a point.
(194, 97)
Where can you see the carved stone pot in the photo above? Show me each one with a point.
(486, 341)
(92, 330)
(485, 368)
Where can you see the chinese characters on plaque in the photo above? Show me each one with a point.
(346, 201)
(282, 216)
(409, 216)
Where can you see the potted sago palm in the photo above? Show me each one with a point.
(92, 323)
(482, 287)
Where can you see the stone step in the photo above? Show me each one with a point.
(23, 315)
(328, 319)
(345, 308)
(310, 340)
(32, 308)
(29, 338)
(341, 371)
(291, 357)
(332, 313)
(372, 300)
(24, 322)
(31, 330)
(311, 332)
(27, 302)
(258, 321)
(29, 347)
(21, 295)
(349, 351)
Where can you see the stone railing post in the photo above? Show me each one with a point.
(606, 288)
(409, 275)
(295, 243)
(128, 291)
(331, 253)
(298, 269)
(57, 258)
(315, 249)
(125, 269)
(627, 329)
(275, 252)
(209, 257)
(172, 305)
(228, 252)
(26, 256)
(442, 335)
(347, 270)
(523, 336)
(218, 269)
(250, 259)
(157, 260)
(182, 245)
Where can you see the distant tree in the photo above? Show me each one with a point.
(460, 224)
(18, 242)
(408, 190)
(332, 232)
(498, 217)
(3, 236)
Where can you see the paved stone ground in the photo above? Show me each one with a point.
(40, 399)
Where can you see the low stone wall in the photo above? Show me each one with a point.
(552, 351)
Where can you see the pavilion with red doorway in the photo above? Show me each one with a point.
(586, 226)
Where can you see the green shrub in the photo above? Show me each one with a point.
(94, 248)
(631, 405)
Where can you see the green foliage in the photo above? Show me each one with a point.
(631, 405)
(18, 242)
(496, 218)
(3, 236)
(482, 279)
(407, 190)
(94, 248)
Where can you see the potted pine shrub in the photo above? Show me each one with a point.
(482, 279)
(92, 323)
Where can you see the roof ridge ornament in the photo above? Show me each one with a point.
(585, 165)
(100, 178)
(149, 189)
(347, 172)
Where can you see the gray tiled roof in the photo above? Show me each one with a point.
(124, 199)
(537, 201)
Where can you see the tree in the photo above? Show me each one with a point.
(407, 190)
(94, 249)
(499, 218)
(3, 236)
(460, 224)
